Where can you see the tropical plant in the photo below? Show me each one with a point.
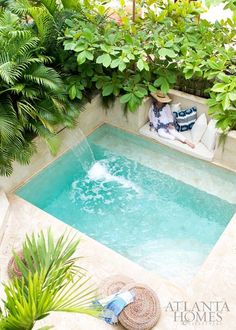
(32, 95)
(57, 52)
(51, 281)
(170, 43)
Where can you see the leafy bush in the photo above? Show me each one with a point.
(131, 59)
(57, 52)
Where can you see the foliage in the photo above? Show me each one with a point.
(51, 281)
(54, 53)
(32, 94)
(228, 4)
(133, 59)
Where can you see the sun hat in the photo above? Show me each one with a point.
(144, 312)
(161, 97)
(114, 284)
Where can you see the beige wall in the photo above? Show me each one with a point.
(188, 100)
(130, 121)
(93, 116)
(226, 152)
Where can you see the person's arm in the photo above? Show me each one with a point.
(150, 116)
(169, 115)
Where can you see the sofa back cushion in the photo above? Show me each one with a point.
(210, 135)
(199, 128)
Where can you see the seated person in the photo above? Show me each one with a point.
(162, 120)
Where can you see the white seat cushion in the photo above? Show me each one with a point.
(200, 151)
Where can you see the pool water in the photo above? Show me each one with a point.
(148, 216)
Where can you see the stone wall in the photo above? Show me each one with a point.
(130, 121)
(95, 115)
(225, 154)
(92, 117)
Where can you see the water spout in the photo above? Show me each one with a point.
(82, 149)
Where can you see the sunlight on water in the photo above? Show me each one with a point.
(99, 172)
(163, 224)
(97, 189)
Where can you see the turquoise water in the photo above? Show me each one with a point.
(161, 223)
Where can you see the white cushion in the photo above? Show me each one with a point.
(175, 107)
(200, 151)
(209, 137)
(199, 128)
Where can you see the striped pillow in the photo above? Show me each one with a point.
(185, 119)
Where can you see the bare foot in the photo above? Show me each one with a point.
(190, 144)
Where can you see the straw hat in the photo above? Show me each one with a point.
(114, 284)
(144, 312)
(161, 97)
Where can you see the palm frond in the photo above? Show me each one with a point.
(27, 151)
(26, 45)
(6, 160)
(44, 76)
(51, 282)
(51, 5)
(8, 71)
(8, 121)
(71, 4)
(19, 7)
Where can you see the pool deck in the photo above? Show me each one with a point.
(216, 280)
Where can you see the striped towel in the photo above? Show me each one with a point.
(114, 304)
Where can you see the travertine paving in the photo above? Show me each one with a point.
(216, 280)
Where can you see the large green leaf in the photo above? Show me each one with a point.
(107, 90)
(104, 59)
(164, 52)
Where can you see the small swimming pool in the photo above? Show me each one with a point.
(155, 206)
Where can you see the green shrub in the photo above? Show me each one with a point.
(132, 59)
(56, 53)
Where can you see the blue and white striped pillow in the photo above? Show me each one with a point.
(185, 119)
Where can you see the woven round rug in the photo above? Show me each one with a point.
(144, 312)
(12, 268)
(114, 284)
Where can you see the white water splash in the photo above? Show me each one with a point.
(81, 148)
(99, 172)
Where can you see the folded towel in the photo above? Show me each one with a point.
(114, 304)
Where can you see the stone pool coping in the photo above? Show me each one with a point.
(216, 280)
(94, 116)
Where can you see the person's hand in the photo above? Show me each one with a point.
(171, 126)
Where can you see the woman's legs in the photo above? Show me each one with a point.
(172, 134)
(178, 136)
(162, 132)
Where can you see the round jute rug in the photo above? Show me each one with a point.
(114, 284)
(144, 312)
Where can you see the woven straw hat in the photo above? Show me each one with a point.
(161, 97)
(114, 284)
(144, 312)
